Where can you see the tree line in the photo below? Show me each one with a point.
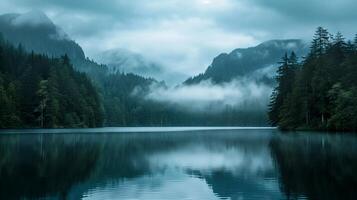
(320, 91)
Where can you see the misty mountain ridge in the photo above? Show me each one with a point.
(32, 18)
(36, 32)
(259, 62)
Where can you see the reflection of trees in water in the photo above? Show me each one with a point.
(316, 166)
(33, 166)
(38, 165)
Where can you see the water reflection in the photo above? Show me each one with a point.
(317, 166)
(226, 164)
(39, 166)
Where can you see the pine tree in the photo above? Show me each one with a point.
(285, 80)
(320, 42)
(43, 95)
(293, 60)
(339, 38)
(339, 42)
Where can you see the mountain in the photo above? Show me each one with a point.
(260, 61)
(123, 95)
(36, 32)
(122, 60)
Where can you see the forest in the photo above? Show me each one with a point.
(319, 92)
(41, 91)
(38, 91)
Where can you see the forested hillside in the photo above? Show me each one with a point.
(37, 91)
(321, 91)
(122, 95)
(250, 61)
(36, 32)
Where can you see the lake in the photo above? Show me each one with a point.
(176, 163)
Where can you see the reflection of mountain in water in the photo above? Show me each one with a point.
(226, 184)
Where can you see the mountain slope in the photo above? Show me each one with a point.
(36, 32)
(244, 62)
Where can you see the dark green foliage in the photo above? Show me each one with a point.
(321, 92)
(285, 79)
(36, 91)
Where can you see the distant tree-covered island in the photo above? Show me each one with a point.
(320, 92)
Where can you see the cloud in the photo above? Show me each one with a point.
(33, 18)
(184, 36)
(241, 94)
(181, 45)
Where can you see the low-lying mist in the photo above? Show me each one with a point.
(242, 94)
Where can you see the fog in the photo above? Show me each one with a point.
(238, 93)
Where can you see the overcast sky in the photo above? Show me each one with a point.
(185, 35)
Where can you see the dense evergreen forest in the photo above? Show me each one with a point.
(38, 91)
(321, 91)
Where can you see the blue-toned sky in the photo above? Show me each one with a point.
(185, 35)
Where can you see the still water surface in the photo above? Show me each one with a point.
(170, 164)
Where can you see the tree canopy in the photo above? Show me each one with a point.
(38, 91)
(321, 91)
